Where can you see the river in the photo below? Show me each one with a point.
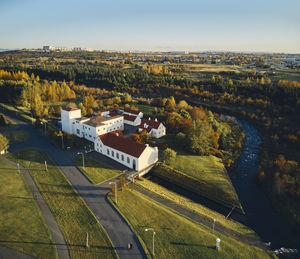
(260, 215)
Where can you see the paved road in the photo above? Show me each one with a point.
(61, 245)
(94, 196)
(196, 217)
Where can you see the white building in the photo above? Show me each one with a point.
(153, 127)
(133, 113)
(89, 128)
(125, 151)
(132, 120)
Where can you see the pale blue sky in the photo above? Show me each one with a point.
(235, 25)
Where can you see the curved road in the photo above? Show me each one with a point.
(94, 196)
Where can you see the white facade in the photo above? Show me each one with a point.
(132, 120)
(153, 127)
(89, 128)
(148, 157)
(68, 117)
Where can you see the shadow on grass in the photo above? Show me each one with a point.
(58, 244)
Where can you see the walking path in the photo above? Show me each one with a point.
(61, 245)
(196, 217)
(95, 196)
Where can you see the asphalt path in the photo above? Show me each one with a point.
(95, 196)
(61, 245)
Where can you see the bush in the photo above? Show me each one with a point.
(169, 155)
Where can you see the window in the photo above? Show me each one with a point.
(117, 155)
(78, 131)
(90, 136)
(100, 145)
(128, 160)
(112, 153)
(108, 151)
(122, 157)
(101, 150)
(97, 144)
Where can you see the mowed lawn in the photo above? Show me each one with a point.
(195, 207)
(16, 136)
(210, 171)
(22, 224)
(71, 213)
(96, 171)
(176, 236)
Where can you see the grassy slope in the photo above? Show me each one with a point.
(195, 207)
(97, 172)
(22, 224)
(209, 170)
(176, 236)
(71, 213)
(16, 136)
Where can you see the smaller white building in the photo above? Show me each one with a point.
(132, 120)
(125, 151)
(133, 113)
(153, 127)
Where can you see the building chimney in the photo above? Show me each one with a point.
(149, 119)
(155, 119)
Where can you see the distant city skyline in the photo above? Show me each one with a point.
(191, 25)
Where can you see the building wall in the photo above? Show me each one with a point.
(67, 119)
(136, 122)
(148, 157)
(116, 155)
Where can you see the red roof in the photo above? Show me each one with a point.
(132, 111)
(117, 132)
(151, 124)
(113, 113)
(129, 117)
(123, 144)
(70, 109)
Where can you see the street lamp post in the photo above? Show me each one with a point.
(147, 229)
(116, 198)
(214, 225)
(81, 153)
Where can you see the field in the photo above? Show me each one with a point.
(96, 171)
(22, 224)
(205, 175)
(172, 240)
(195, 207)
(16, 136)
(71, 213)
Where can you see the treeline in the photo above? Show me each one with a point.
(32, 93)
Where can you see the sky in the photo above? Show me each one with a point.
(155, 25)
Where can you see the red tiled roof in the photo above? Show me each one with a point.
(123, 144)
(70, 109)
(151, 124)
(113, 113)
(129, 117)
(131, 111)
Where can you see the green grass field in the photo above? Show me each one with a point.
(210, 171)
(195, 207)
(16, 136)
(96, 171)
(22, 224)
(71, 213)
(145, 108)
(205, 175)
(176, 236)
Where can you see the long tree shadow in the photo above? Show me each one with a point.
(190, 244)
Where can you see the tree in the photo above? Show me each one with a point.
(169, 156)
(82, 108)
(127, 98)
(170, 104)
(200, 137)
(37, 106)
(182, 105)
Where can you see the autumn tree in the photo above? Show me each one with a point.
(169, 156)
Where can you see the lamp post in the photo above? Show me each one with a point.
(81, 153)
(214, 225)
(147, 229)
(116, 198)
